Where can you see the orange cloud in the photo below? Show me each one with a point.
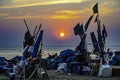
(107, 11)
(28, 3)
(72, 12)
(61, 17)
(52, 16)
(3, 14)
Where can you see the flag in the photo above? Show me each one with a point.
(104, 33)
(81, 29)
(94, 41)
(88, 22)
(37, 44)
(28, 38)
(100, 39)
(95, 8)
(96, 19)
(78, 30)
(82, 45)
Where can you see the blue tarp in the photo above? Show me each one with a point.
(115, 60)
(54, 64)
(75, 66)
(25, 50)
(110, 53)
(66, 54)
(67, 57)
(17, 58)
(37, 43)
(2, 59)
(3, 63)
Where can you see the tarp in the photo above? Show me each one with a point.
(17, 58)
(2, 59)
(66, 54)
(76, 68)
(25, 50)
(3, 63)
(115, 60)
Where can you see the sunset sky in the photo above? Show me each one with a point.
(56, 16)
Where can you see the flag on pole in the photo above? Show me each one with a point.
(100, 39)
(95, 8)
(28, 38)
(78, 30)
(37, 44)
(82, 46)
(88, 22)
(104, 33)
(94, 41)
(96, 19)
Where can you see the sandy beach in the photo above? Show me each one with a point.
(58, 76)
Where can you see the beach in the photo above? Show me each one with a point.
(10, 52)
(58, 76)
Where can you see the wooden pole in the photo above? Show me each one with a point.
(40, 54)
(24, 70)
(26, 24)
(34, 31)
(39, 29)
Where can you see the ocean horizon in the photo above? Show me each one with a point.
(12, 51)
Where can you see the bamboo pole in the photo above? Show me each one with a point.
(26, 24)
(34, 31)
(37, 31)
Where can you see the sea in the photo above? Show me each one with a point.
(11, 51)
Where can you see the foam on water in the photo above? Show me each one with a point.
(10, 52)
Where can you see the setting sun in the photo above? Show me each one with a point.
(62, 34)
